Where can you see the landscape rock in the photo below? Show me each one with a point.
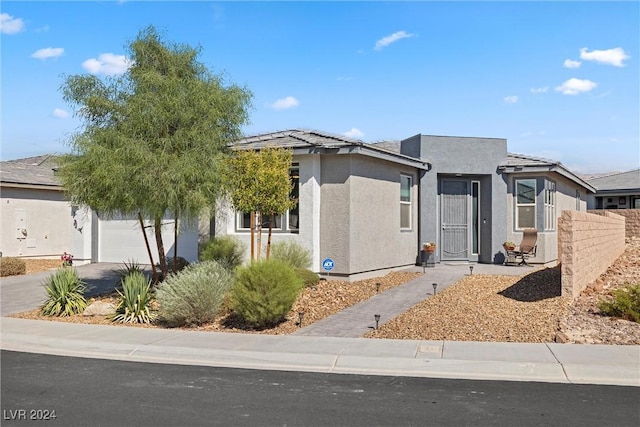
(99, 308)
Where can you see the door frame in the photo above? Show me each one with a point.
(472, 183)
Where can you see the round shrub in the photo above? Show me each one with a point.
(182, 264)
(292, 253)
(10, 266)
(194, 295)
(308, 277)
(226, 250)
(264, 292)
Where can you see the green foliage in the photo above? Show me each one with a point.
(135, 298)
(10, 266)
(264, 292)
(625, 304)
(127, 268)
(194, 296)
(226, 250)
(66, 293)
(308, 277)
(153, 140)
(291, 253)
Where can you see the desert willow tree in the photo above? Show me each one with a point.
(258, 182)
(153, 139)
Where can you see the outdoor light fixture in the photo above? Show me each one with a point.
(378, 287)
(471, 269)
(300, 316)
(377, 317)
(435, 285)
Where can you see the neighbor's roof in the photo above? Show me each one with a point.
(617, 182)
(303, 141)
(521, 163)
(31, 171)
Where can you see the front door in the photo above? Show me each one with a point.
(454, 219)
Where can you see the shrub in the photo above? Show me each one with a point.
(226, 250)
(182, 264)
(625, 304)
(66, 293)
(195, 295)
(10, 266)
(134, 299)
(292, 253)
(308, 277)
(264, 292)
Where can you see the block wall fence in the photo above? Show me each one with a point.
(587, 245)
(632, 224)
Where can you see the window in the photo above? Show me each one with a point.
(578, 199)
(525, 203)
(405, 202)
(475, 212)
(549, 205)
(287, 222)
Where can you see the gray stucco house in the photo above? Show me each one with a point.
(616, 191)
(369, 207)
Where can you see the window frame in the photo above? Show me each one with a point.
(405, 203)
(550, 218)
(519, 204)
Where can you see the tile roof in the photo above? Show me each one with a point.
(29, 171)
(620, 181)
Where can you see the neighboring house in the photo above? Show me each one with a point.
(37, 221)
(616, 191)
(370, 206)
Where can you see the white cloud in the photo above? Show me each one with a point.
(107, 63)
(574, 86)
(539, 89)
(285, 103)
(613, 57)
(60, 113)
(570, 63)
(9, 24)
(46, 53)
(354, 133)
(511, 99)
(386, 41)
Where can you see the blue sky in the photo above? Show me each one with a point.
(557, 79)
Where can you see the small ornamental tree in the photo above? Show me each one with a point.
(259, 182)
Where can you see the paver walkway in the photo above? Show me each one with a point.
(357, 320)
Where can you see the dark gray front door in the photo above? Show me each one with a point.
(454, 219)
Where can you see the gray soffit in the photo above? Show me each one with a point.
(303, 141)
(618, 182)
(522, 164)
(32, 171)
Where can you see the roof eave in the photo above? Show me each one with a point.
(557, 168)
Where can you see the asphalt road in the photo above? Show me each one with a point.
(92, 392)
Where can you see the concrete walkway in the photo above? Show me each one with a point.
(562, 363)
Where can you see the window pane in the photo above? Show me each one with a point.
(245, 220)
(405, 188)
(405, 215)
(526, 190)
(526, 217)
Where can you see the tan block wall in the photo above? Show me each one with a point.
(632, 224)
(587, 245)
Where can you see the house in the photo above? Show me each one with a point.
(369, 207)
(37, 221)
(616, 191)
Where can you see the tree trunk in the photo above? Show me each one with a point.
(269, 237)
(146, 242)
(175, 244)
(252, 223)
(157, 226)
(259, 239)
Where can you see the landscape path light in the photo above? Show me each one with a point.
(435, 285)
(300, 316)
(377, 317)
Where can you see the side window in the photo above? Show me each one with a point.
(525, 203)
(549, 205)
(406, 182)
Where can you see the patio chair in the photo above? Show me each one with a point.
(527, 247)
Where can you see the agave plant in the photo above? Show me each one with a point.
(134, 299)
(66, 293)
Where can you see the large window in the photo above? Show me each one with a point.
(525, 203)
(549, 205)
(405, 202)
(287, 222)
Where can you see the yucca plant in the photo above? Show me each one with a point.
(134, 299)
(66, 293)
(127, 268)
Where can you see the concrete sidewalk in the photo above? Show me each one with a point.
(563, 363)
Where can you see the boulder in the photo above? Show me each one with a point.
(99, 308)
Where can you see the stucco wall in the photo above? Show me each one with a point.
(547, 244)
(632, 223)
(588, 245)
(48, 218)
